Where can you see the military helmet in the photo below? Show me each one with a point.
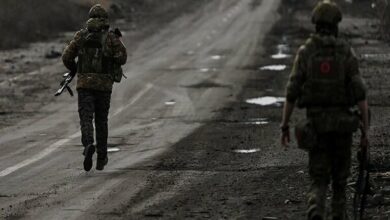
(326, 12)
(94, 25)
(97, 24)
(97, 11)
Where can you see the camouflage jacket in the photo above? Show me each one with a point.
(298, 76)
(325, 79)
(100, 82)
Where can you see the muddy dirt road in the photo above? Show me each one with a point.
(179, 81)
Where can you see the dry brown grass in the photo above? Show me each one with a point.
(25, 21)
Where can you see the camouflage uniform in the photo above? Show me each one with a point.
(95, 81)
(327, 89)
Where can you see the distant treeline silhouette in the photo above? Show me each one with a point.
(25, 21)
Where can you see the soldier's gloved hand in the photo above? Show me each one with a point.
(285, 138)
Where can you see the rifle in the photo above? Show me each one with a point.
(117, 32)
(68, 77)
(362, 187)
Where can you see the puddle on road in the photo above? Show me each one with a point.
(207, 84)
(283, 50)
(257, 121)
(380, 56)
(246, 151)
(190, 52)
(113, 149)
(280, 56)
(267, 101)
(206, 70)
(216, 57)
(274, 67)
(172, 102)
(374, 55)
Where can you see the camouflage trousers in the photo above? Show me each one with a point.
(329, 161)
(94, 105)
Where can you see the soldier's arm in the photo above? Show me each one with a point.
(70, 53)
(293, 91)
(297, 76)
(359, 89)
(119, 53)
(358, 85)
(287, 112)
(294, 86)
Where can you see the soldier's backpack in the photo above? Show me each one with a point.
(92, 57)
(326, 79)
(327, 88)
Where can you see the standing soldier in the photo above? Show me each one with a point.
(100, 54)
(325, 80)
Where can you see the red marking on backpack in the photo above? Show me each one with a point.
(325, 67)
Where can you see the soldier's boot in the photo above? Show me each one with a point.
(88, 153)
(316, 202)
(101, 162)
(313, 214)
(339, 201)
(102, 158)
(317, 217)
(341, 217)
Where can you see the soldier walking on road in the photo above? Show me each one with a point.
(325, 80)
(100, 54)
